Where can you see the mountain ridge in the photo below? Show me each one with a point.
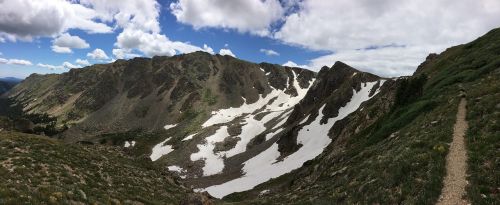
(268, 134)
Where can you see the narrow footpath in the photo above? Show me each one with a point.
(456, 162)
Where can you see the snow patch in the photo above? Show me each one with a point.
(229, 114)
(167, 127)
(272, 103)
(314, 139)
(160, 149)
(189, 137)
(214, 163)
(271, 134)
(175, 168)
(129, 144)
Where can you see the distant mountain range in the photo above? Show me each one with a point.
(7, 83)
(269, 134)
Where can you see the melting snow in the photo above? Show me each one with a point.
(177, 169)
(229, 114)
(271, 134)
(263, 192)
(160, 149)
(214, 163)
(169, 126)
(189, 137)
(313, 137)
(129, 144)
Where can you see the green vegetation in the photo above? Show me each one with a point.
(483, 139)
(209, 98)
(400, 158)
(39, 170)
(409, 90)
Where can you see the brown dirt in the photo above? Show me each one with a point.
(456, 162)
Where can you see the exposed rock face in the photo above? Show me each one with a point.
(217, 117)
(147, 94)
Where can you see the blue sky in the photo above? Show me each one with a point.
(389, 38)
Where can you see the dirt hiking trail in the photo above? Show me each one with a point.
(456, 162)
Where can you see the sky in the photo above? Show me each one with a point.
(386, 37)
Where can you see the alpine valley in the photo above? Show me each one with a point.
(198, 128)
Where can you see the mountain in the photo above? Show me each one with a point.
(393, 150)
(207, 117)
(7, 83)
(150, 93)
(267, 134)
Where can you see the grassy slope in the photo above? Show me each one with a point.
(401, 158)
(39, 170)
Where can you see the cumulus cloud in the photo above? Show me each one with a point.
(98, 54)
(141, 28)
(82, 62)
(386, 62)
(269, 52)
(293, 64)
(253, 16)
(58, 49)
(26, 19)
(65, 42)
(15, 61)
(63, 66)
(227, 51)
(124, 53)
(367, 33)
(136, 19)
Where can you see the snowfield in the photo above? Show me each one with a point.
(160, 149)
(214, 163)
(279, 108)
(314, 139)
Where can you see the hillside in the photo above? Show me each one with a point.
(268, 134)
(149, 93)
(39, 170)
(400, 157)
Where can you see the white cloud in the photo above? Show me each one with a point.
(347, 27)
(124, 53)
(269, 52)
(70, 65)
(50, 67)
(65, 42)
(58, 49)
(15, 62)
(137, 19)
(206, 48)
(386, 62)
(26, 19)
(293, 64)
(98, 54)
(63, 66)
(226, 52)
(254, 16)
(141, 29)
(82, 62)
